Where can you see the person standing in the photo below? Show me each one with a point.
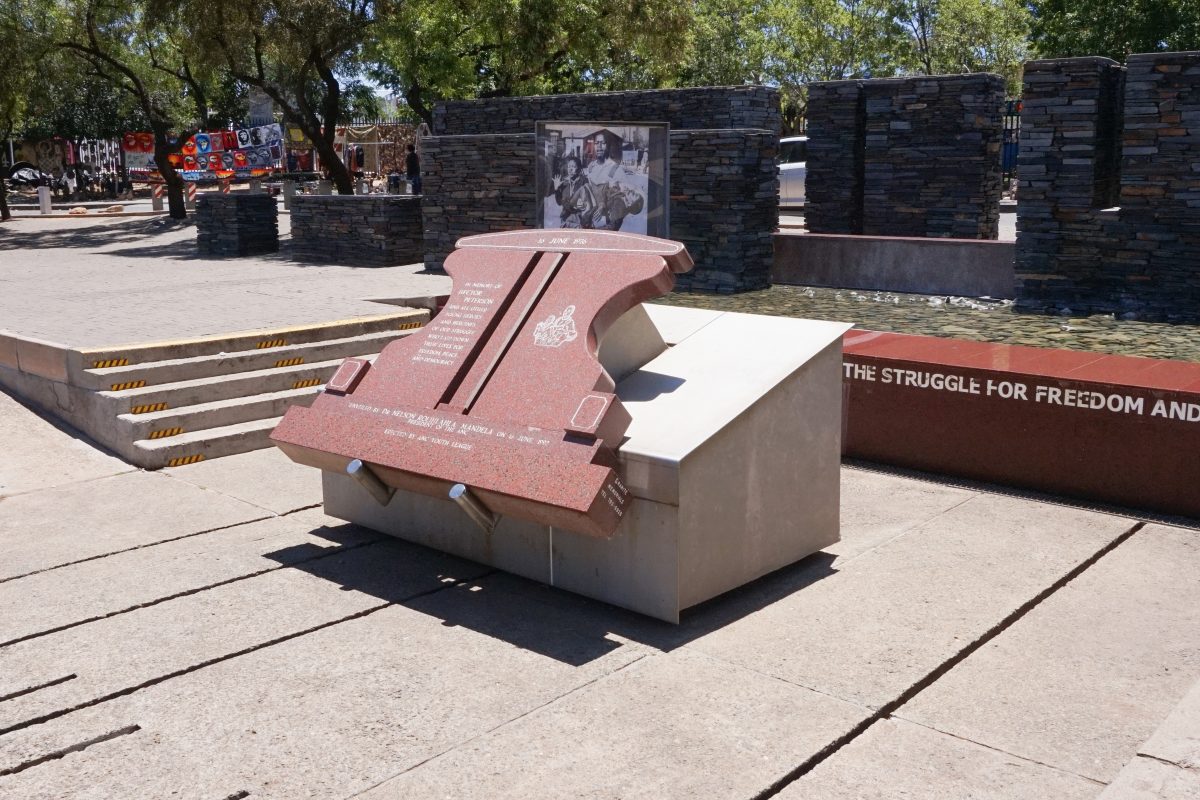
(412, 169)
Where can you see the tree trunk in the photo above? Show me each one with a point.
(170, 176)
(5, 214)
(339, 173)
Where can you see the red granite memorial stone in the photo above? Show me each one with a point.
(502, 391)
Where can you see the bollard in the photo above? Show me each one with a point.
(44, 199)
(363, 187)
(255, 186)
(190, 202)
(225, 185)
(156, 196)
(289, 191)
(324, 187)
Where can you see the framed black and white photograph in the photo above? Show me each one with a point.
(610, 176)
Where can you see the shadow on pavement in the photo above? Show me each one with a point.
(526, 614)
(96, 234)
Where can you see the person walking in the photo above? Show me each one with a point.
(412, 169)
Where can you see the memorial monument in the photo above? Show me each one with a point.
(544, 402)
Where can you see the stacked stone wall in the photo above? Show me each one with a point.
(1094, 134)
(724, 190)
(239, 224)
(703, 108)
(906, 156)
(359, 230)
(833, 184)
(724, 199)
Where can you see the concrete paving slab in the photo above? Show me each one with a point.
(265, 478)
(870, 631)
(1084, 678)
(1177, 740)
(70, 523)
(1147, 779)
(885, 506)
(95, 283)
(895, 759)
(172, 636)
(328, 714)
(39, 454)
(71, 595)
(671, 725)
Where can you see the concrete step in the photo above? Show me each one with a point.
(204, 416)
(136, 376)
(189, 448)
(166, 396)
(120, 356)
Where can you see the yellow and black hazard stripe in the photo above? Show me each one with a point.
(408, 326)
(306, 383)
(265, 343)
(182, 460)
(120, 387)
(148, 408)
(110, 362)
(289, 362)
(165, 432)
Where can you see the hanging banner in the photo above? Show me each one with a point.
(216, 154)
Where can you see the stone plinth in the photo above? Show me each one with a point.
(360, 230)
(239, 224)
(712, 508)
(502, 391)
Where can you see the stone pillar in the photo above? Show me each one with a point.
(833, 184)
(905, 156)
(324, 187)
(241, 224)
(289, 192)
(932, 156)
(1069, 121)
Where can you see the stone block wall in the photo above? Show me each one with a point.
(475, 184)
(1097, 136)
(371, 230)
(724, 188)
(833, 182)
(704, 108)
(1070, 108)
(239, 224)
(906, 156)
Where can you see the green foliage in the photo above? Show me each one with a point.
(437, 49)
(1114, 28)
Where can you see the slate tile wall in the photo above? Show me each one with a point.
(239, 224)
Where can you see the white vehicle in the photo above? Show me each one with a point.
(793, 155)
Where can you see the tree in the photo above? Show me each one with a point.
(293, 50)
(434, 50)
(953, 36)
(1063, 28)
(117, 42)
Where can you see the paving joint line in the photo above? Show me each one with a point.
(889, 709)
(135, 547)
(334, 551)
(1001, 750)
(1188, 769)
(75, 748)
(37, 688)
(146, 684)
